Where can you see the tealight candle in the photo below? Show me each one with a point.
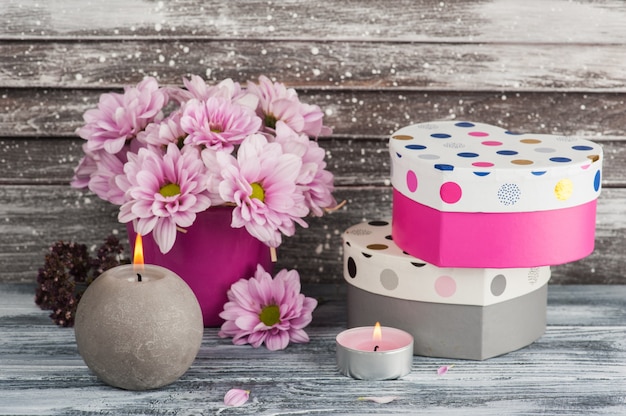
(374, 353)
(138, 327)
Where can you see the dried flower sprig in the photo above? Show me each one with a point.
(67, 272)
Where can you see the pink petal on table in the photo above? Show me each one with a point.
(381, 399)
(236, 397)
(444, 369)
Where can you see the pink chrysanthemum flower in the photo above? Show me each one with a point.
(315, 182)
(161, 134)
(261, 182)
(215, 162)
(262, 310)
(277, 102)
(163, 192)
(217, 123)
(119, 117)
(82, 172)
(228, 89)
(103, 180)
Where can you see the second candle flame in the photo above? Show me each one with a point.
(377, 334)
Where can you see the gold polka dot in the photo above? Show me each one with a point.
(563, 189)
(522, 162)
(530, 141)
(594, 158)
(402, 137)
(378, 246)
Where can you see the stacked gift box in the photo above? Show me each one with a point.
(479, 215)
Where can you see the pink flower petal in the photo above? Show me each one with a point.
(277, 342)
(444, 369)
(236, 397)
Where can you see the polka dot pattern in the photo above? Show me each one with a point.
(509, 194)
(378, 223)
(445, 286)
(564, 189)
(389, 279)
(411, 181)
(492, 169)
(391, 272)
(450, 192)
(596, 181)
(498, 285)
(351, 267)
(378, 246)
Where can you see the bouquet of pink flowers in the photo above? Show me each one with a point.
(164, 154)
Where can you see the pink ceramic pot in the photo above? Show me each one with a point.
(210, 257)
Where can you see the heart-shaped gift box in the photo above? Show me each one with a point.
(474, 195)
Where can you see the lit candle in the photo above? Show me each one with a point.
(374, 353)
(138, 326)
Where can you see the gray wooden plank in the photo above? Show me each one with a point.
(37, 216)
(353, 162)
(353, 64)
(568, 305)
(361, 113)
(572, 369)
(408, 20)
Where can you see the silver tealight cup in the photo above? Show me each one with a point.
(361, 355)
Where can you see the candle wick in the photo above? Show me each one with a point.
(376, 348)
(138, 277)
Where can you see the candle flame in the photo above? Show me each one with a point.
(377, 334)
(138, 254)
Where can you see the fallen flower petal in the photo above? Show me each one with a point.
(236, 397)
(381, 400)
(444, 369)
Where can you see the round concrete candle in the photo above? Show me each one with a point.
(138, 328)
(374, 353)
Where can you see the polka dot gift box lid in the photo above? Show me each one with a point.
(534, 192)
(373, 262)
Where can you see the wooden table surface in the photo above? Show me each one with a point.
(577, 367)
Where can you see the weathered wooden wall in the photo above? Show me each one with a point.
(553, 66)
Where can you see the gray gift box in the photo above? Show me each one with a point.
(450, 312)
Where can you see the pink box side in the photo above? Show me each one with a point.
(525, 239)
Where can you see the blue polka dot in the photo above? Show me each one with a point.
(467, 154)
(582, 148)
(481, 173)
(465, 124)
(415, 147)
(538, 172)
(443, 166)
(512, 133)
(506, 152)
(560, 159)
(398, 154)
(596, 181)
(440, 136)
